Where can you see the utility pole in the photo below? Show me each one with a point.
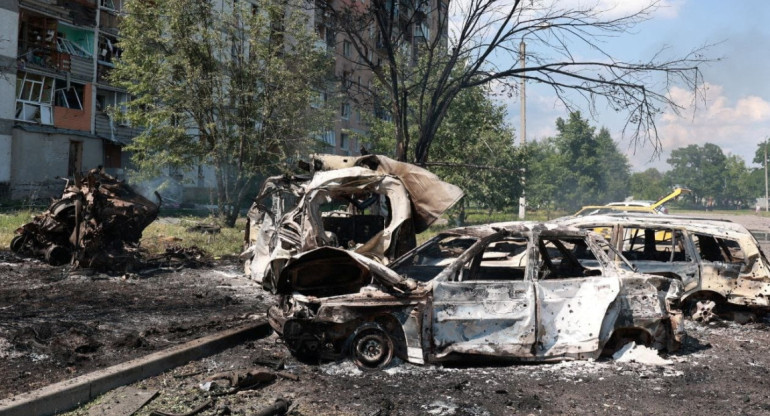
(766, 204)
(523, 133)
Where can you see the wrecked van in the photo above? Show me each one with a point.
(371, 205)
(522, 291)
(715, 260)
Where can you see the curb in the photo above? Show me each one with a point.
(69, 394)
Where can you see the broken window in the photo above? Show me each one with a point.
(432, 258)
(75, 41)
(114, 5)
(115, 104)
(68, 96)
(716, 249)
(654, 244)
(564, 257)
(505, 259)
(34, 96)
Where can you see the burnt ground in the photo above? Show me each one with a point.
(54, 325)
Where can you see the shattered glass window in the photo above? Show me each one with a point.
(654, 244)
(566, 257)
(505, 259)
(433, 257)
(715, 249)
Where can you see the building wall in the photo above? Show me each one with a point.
(9, 17)
(43, 158)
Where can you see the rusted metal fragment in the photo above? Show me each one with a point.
(97, 223)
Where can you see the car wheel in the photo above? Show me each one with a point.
(17, 243)
(372, 348)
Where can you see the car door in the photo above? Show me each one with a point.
(490, 310)
(572, 299)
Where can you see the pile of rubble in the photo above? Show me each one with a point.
(97, 223)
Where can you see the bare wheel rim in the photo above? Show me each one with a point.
(372, 349)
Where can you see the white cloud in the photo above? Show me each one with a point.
(734, 125)
(667, 9)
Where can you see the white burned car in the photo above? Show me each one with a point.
(522, 291)
(718, 261)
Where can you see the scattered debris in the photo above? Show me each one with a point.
(123, 401)
(237, 381)
(204, 229)
(97, 223)
(280, 407)
(192, 412)
(632, 352)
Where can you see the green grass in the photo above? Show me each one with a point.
(9, 222)
(157, 236)
(160, 234)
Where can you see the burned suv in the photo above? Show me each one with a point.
(715, 260)
(521, 291)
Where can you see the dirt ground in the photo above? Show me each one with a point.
(54, 325)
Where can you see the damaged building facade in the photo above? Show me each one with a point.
(54, 118)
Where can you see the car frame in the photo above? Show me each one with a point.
(426, 308)
(715, 260)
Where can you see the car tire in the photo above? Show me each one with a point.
(372, 348)
(17, 243)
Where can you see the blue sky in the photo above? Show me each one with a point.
(736, 114)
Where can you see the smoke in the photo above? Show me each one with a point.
(170, 189)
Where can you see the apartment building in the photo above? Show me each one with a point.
(54, 95)
(56, 102)
(418, 21)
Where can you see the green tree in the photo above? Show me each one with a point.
(597, 171)
(477, 152)
(700, 168)
(649, 185)
(229, 87)
(546, 175)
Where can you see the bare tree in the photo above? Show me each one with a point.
(423, 53)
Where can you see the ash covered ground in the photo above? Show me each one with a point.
(56, 324)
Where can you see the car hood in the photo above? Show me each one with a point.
(329, 271)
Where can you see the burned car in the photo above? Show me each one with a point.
(97, 223)
(370, 204)
(717, 261)
(521, 291)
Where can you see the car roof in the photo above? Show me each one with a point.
(703, 225)
(484, 230)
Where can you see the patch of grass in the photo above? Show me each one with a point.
(157, 236)
(172, 231)
(9, 222)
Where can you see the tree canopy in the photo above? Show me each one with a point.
(228, 85)
(461, 45)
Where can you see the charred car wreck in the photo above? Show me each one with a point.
(716, 261)
(371, 205)
(97, 223)
(521, 291)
